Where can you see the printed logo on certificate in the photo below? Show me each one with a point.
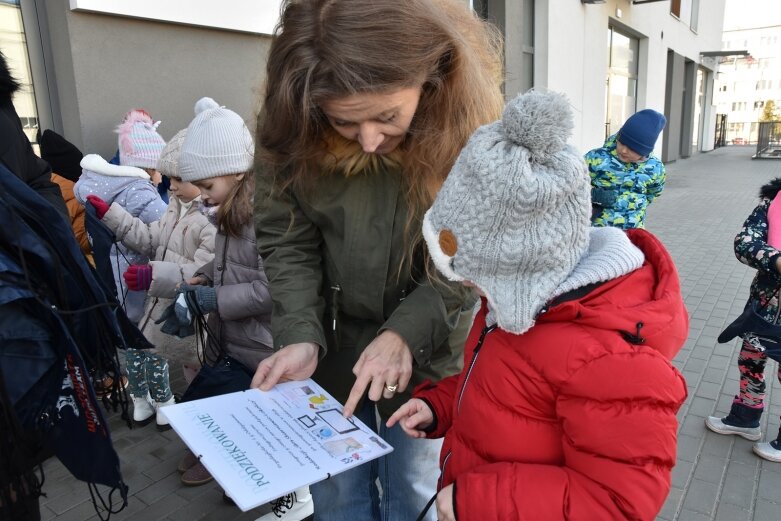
(262, 445)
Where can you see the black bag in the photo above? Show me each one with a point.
(751, 321)
(228, 375)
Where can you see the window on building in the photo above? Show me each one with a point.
(13, 43)
(621, 93)
(723, 88)
(738, 106)
(682, 9)
(759, 104)
(764, 85)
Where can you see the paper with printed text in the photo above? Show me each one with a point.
(262, 445)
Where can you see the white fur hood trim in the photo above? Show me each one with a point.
(95, 163)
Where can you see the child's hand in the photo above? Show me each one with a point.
(445, 510)
(138, 277)
(101, 206)
(413, 416)
(196, 281)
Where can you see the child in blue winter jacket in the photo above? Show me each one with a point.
(625, 176)
(131, 185)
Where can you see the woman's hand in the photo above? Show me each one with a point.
(445, 510)
(385, 367)
(292, 362)
(412, 417)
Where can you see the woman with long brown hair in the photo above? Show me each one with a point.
(366, 107)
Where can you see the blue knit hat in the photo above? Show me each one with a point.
(641, 130)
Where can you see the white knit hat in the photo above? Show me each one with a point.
(139, 143)
(168, 164)
(217, 143)
(513, 216)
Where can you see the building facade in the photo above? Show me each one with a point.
(615, 57)
(91, 60)
(745, 85)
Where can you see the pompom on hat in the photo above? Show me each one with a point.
(139, 143)
(641, 131)
(168, 164)
(513, 216)
(217, 143)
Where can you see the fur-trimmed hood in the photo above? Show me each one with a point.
(95, 163)
(8, 84)
(770, 190)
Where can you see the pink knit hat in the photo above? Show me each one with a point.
(139, 143)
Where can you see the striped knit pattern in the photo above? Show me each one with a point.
(217, 143)
(139, 143)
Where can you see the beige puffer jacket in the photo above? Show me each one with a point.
(179, 243)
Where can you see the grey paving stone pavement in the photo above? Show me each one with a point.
(716, 478)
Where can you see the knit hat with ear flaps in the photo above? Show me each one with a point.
(139, 143)
(513, 216)
(168, 164)
(641, 131)
(218, 143)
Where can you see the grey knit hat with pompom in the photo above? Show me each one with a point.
(513, 216)
(218, 143)
(168, 164)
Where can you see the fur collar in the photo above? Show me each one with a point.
(95, 163)
(8, 84)
(770, 190)
(347, 157)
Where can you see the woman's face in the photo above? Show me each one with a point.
(182, 190)
(378, 121)
(215, 190)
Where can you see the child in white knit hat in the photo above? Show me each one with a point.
(566, 407)
(131, 185)
(217, 157)
(178, 244)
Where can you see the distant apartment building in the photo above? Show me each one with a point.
(91, 60)
(745, 84)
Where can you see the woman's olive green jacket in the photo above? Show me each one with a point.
(332, 255)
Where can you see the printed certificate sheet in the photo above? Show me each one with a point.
(262, 445)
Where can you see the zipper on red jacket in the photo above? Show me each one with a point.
(476, 352)
(442, 472)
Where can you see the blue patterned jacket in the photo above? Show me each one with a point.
(621, 192)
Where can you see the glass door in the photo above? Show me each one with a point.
(13, 45)
(621, 93)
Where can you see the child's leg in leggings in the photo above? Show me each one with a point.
(157, 378)
(136, 371)
(751, 363)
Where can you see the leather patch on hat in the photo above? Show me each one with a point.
(448, 242)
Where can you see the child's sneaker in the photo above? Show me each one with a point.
(769, 450)
(741, 420)
(296, 506)
(196, 475)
